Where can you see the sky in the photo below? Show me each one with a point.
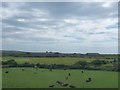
(83, 27)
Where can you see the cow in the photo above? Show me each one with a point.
(59, 82)
(22, 69)
(69, 74)
(65, 85)
(71, 86)
(89, 80)
(51, 85)
(82, 72)
(65, 69)
(6, 72)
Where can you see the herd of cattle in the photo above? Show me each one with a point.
(61, 83)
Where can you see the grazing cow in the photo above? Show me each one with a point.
(65, 85)
(51, 85)
(65, 69)
(69, 74)
(22, 69)
(59, 82)
(87, 81)
(71, 86)
(82, 72)
(6, 72)
(90, 79)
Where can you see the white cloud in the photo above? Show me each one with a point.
(71, 21)
(40, 13)
(21, 20)
(106, 4)
(8, 12)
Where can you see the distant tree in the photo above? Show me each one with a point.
(11, 63)
(80, 64)
(38, 65)
(104, 62)
(27, 64)
(28, 53)
(83, 63)
(97, 62)
(46, 51)
(114, 60)
(56, 52)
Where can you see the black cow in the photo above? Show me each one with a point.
(65, 85)
(51, 85)
(82, 72)
(89, 80)
(69, 74)
(71, 86)
(22, 69)
(6, 72)
(59, 82)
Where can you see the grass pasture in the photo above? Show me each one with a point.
(48, 60)
(52, 60)
(42, 78)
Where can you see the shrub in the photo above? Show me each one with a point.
(97, 62)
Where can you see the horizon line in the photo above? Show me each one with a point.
(56, 52)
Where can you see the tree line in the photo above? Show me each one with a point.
(93, 65)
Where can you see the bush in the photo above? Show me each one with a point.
(97, 62)
(81, 64)
(11, 63)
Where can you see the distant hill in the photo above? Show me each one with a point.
(46, 54)
(38, 54)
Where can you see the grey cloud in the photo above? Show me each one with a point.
(46, 20)
(69, 9)
(89, 10)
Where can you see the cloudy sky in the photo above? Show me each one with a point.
(60, 26)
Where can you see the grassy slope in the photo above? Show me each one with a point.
(31, 78)
(51, 60)
(47, 60)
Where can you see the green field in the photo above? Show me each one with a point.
(64, 60)
(42, 78)
(52, 60)
(0, 78)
